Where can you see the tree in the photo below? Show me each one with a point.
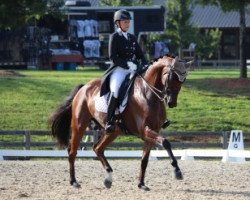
(18, 12)
(182, 32)
(179, 29)
(240, 7)
(208, 43)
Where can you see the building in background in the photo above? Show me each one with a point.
(210, 17)
(29, 41)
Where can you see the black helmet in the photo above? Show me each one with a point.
(121, 15)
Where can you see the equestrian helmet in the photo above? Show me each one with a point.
(121, 15)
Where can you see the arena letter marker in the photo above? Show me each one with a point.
(235, 143)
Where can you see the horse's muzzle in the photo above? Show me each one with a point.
(171, 101)
(172, 104)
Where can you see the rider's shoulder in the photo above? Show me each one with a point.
(116, 34)
(132, 36)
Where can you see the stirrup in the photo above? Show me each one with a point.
(109, 127)
(165, 124)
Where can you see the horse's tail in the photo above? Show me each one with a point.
(60, 120)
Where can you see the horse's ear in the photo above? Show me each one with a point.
(189, 64)
(175, 60)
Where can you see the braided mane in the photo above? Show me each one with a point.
(156, 59)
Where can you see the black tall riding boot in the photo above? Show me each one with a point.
(110, 126)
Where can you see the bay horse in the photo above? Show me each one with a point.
(143, 116)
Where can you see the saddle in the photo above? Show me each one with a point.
(101, 103)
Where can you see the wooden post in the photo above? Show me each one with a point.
(224, 140)
(27, 140)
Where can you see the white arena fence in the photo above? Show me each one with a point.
(220, 64)
(28, 148)
(187, 154)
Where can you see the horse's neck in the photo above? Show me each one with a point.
(146, 96)
(152, 76)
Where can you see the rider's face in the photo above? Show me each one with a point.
(124, 25)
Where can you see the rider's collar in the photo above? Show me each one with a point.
(125, 34)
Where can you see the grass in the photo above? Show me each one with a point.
(26, 102)
(203, 105)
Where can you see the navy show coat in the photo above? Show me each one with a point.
(121, 50)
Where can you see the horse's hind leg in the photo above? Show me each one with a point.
(144, 164)
(152, 136)
(78, 126)
(99, 150)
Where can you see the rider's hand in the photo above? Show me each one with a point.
(132, 66)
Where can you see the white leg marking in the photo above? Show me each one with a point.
(108, 176)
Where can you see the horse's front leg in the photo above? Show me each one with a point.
(144, 163)
(99, 148)
(155, 138)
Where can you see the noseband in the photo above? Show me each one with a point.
(166, 91)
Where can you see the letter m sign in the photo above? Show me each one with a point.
(236, 140)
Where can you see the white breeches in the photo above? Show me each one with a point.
(116, 79)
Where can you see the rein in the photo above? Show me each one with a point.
(155, 90)
(163, 94)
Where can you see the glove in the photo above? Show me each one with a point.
(132, 66)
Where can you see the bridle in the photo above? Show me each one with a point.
(162, 94)
(181, 78)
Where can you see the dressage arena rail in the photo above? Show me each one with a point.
(220, 64)
(26, 147)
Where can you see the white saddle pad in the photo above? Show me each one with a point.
(101, 104)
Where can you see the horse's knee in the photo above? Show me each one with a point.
(151, 136)
(166, 144)
(69, 149)
(98, 151)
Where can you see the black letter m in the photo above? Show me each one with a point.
(236, 138)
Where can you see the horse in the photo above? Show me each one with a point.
(143, 115)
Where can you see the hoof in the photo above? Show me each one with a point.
(75, 184)
(178, 175)
(143, 187)
(107, 183)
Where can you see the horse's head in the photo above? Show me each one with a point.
(173, 76)
(168, 74)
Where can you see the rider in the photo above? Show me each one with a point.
(125, 54)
